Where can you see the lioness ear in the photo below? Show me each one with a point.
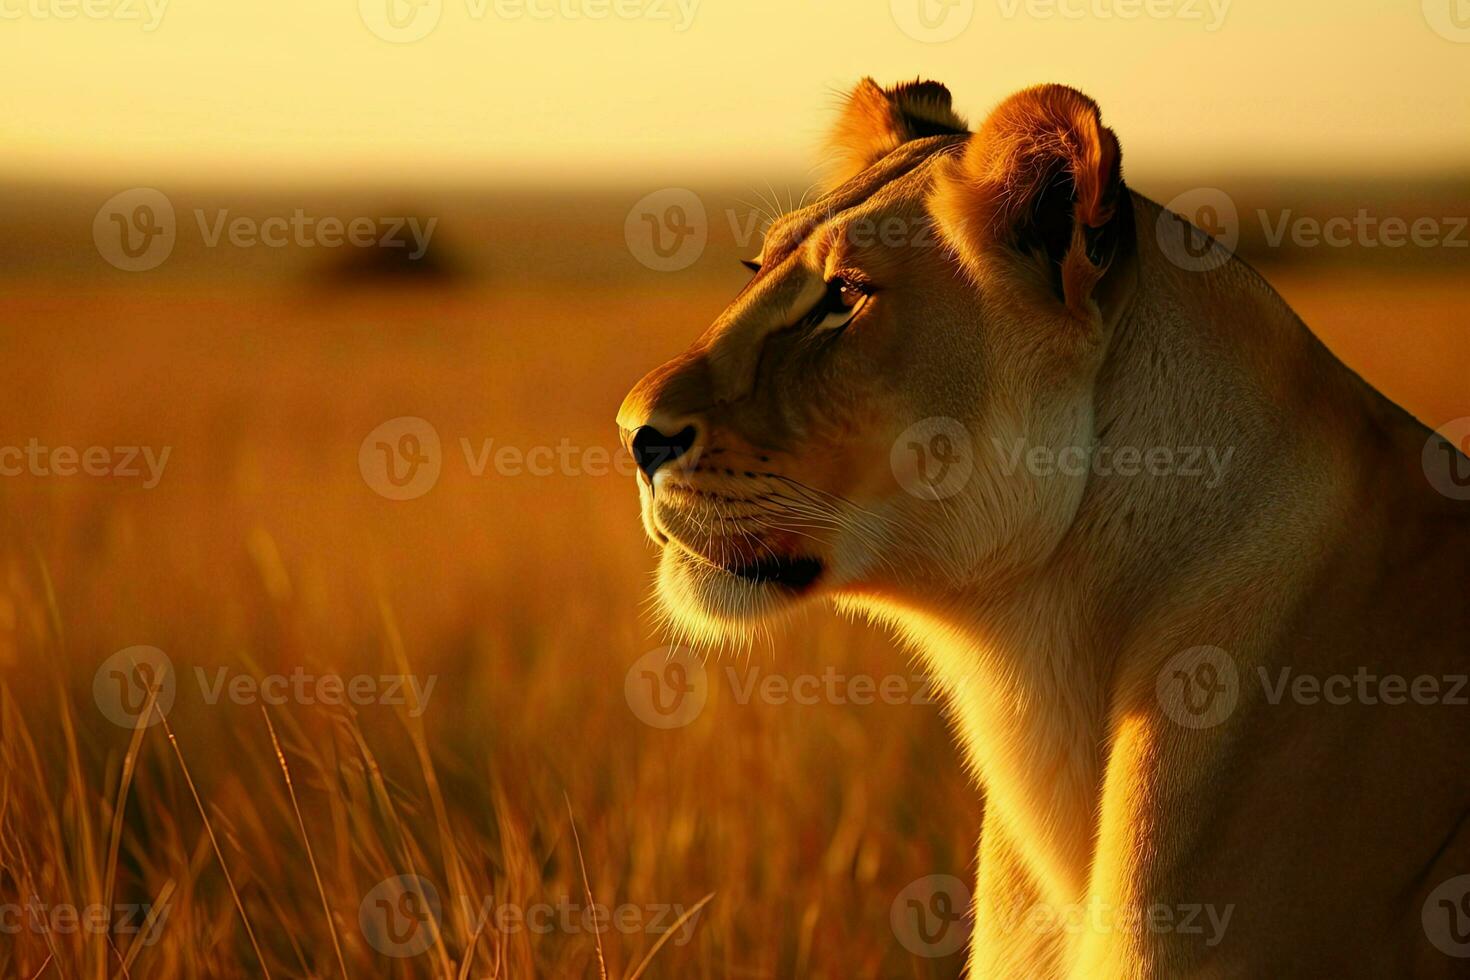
(1043, 176)
(874, 122)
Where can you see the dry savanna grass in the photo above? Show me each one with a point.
(262, 550)
(465, 831)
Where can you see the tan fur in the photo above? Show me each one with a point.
(1050, 604)
(875, 122)
(1023, 144)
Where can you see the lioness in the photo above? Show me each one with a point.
(1233, 696)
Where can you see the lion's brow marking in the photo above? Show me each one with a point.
(792, 230)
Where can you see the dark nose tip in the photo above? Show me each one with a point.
(652, 449)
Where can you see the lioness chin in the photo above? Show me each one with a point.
(920, 408)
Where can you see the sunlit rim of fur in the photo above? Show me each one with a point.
(685, 624)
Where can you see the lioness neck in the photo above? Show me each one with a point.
(1050, 674)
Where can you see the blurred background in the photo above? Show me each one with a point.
(315, 318)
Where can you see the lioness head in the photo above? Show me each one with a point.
(844, 427)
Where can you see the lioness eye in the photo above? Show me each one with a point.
(850, 293)
(844, 300)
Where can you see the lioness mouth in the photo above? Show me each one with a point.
(789, 573)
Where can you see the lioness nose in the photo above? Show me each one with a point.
(652, 448)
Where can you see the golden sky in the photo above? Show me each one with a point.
(527, 89)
